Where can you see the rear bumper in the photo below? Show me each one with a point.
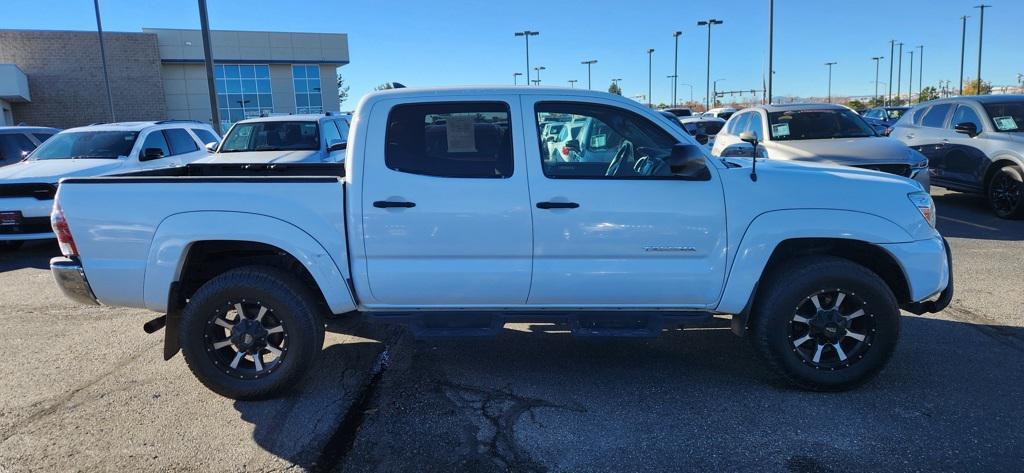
(70, 278)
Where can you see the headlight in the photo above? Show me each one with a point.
(924, 204)
(917, 160)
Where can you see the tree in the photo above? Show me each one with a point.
(876, 101)
(856, 104)
(971, 87)
(928, 93)
(342, 90)
(614, 89)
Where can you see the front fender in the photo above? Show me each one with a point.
(769, 229)
(175, 235)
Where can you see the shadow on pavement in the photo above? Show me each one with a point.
(33, 254)
(963, 215)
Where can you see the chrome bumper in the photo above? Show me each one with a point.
(71, 280)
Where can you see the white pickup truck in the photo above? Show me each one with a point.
(450, 217)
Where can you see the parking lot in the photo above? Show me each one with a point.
(86, 389)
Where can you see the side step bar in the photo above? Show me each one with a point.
(580, 324)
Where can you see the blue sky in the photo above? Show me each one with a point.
(449, 42)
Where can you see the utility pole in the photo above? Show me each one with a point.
(709, 23)
(675, 70)
(899, 75)
(910, 85)
(771, 43)
(981, 32)
(963, 42)
(204, 23)
(103, 60)
(589, 63)
(572, 83)
(515, 77)
(892, 46)
(714, 93)
(650, 72)
(876, 59)
(830, 64)
(920, 71)
(538, 69)
(526, 34)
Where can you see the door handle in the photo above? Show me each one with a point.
(386, 204)
(557, 205)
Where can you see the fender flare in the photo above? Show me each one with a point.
(768, 230)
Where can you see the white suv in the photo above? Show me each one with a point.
(308, 138)
(27, 187)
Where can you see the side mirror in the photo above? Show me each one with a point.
(967, 128)
(150, 154)
(336, 145)
(212, 147)
(701, 138)
(687, 160)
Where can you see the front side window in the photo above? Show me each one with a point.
(14, 146)
(817, 124)
(1006, 116)
(737, 125)
(331, 133)
(611, 143)
(87, 145)
(965, 114)
(156, 140)
(756, 125)
(243, 91)
(272, 136)
(306, 79)
(935, 117)
(453, 139)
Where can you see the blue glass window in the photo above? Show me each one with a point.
(306, 82)
(243, 91)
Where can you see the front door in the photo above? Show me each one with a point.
(964, 161)
(445, 211)
(612, 225)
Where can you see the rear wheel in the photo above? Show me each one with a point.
(825, 323)
(251, 333)
(1006, 192)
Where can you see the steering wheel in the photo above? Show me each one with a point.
(623, 162)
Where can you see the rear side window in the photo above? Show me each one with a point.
(181, 142)
(453, 139)
(205, 135)
(14, 146)
(935, 117)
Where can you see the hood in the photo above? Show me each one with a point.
(52, 170)
(263, 157)
(846, 151)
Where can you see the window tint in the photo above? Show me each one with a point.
(42, 137)
(965, 114)
(330, 131)
(181, 142)
(739, 124)
(612, 143)
(935, 117)
(272, 136)
(466, 140)
(817, 124)
(13, 145)
(1006, 116)
(87, 145)
(343, 128)
(205, 136)
(755, 125)
(155, 139)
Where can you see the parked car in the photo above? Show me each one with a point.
(822, 133)
(460, 235)
(318, 138)
(549, 134)
(723, 112)
(704, 130)
(882, 118)
(16, 142)
(973, 144)
(27, 187)
(680, 111)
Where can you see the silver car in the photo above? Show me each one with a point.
(973, 144)
(820, 133)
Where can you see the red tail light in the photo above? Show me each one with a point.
(60, 227)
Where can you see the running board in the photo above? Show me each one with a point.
(581, 324)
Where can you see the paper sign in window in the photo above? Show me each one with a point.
(780, 129)
(461, 135)
(1005, 123)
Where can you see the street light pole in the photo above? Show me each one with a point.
(920, 71)
(103, 59)
(910, 85)
(589, 63)
(538, 69)
(650, 76)
(204, 23)
(892, 46)
(714, 93)
(771, 43)
(830, 64)
(899, 75)
(709, 23)
(515, 78)
(526, 34)
(981, 32)
(675, 70)
(876, 59)
(963, 42)
(572, 83)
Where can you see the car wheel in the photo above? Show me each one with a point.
(252, 332)
(825, 323)
(10, 245)
(1006, 192)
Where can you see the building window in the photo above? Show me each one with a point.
(243, 91)
(306, 78)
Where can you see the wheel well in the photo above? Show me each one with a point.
(993, 168)
(865, 254)
(208, 259)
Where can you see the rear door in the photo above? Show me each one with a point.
(184, 148)
(604, 236)
(445, 211)
(932, 138)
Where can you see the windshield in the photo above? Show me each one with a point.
(1006, 116)
(817, 125)
(272, 136)
(703, 128)
(87, 145)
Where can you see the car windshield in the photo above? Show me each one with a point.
(703, 128)
(272, 136)
(86, 145)
(1006, 116)
(817, 125)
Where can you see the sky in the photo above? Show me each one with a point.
(453, 42)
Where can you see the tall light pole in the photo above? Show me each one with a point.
(572, 83)
(650, 76)
(963, 42)
(709, 23)
(103, 59)
(515, 77)
(538, 69)
(830, 64)
(892, 46)
(771, 45)
(675, 70)
(981, 33)
(910, 85)
(204, 24)
(899, 75)
(920, 71)
(589, 63)
(526, 34)
(671, 86)
(876, 59)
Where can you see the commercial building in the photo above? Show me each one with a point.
(55, 78)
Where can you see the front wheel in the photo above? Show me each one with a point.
(825, 323)
(1006, 192)
(251, 333)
